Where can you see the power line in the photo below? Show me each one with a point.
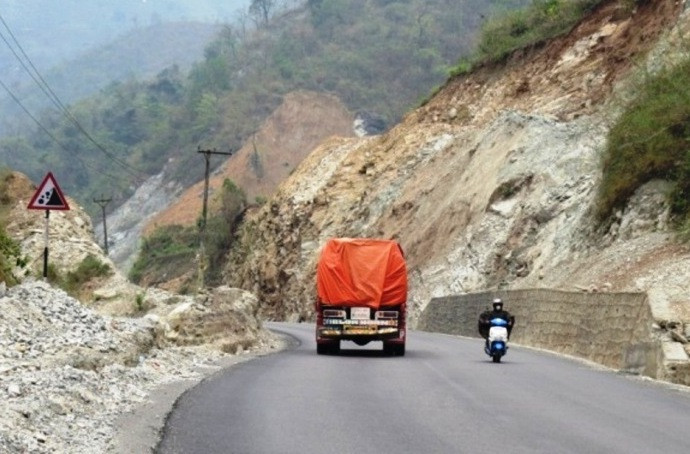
(44, 129)
(43, 85)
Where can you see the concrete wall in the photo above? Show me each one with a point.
(613, 329)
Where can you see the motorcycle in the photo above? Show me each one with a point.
(497, 342)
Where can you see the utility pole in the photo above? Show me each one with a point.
(202, 227)
(103, 202)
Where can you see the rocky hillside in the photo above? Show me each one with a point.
(296, 127)
(303, 121)
(69, 368)
(491, 183)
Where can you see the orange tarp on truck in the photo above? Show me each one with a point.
(361, 272)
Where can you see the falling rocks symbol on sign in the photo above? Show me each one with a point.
(50, 198)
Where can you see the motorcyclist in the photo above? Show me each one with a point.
(498, 312)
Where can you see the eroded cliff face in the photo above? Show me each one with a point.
(303, 121)
(299, 124)
(490, 184)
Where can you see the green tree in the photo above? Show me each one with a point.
(261, 10)
(233, 201)
(221, 228)
(207, 116)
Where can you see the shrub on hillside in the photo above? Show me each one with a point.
(168, 252)
(10, 252)
(651, 139)
(89, 268)
(516, 29)
(9, 255)
(73, 282)
(221, 228)
(171, 251)
(5, 177)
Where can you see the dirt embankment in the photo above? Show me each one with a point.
(304, 120)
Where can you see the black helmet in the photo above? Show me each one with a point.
(498, 304)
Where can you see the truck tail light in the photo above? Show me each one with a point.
(386, 315)
(333, 313)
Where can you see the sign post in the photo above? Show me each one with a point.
(48, 197)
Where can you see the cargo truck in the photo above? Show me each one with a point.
(361, 288)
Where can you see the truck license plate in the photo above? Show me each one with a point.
(360, 313)
(360, 330)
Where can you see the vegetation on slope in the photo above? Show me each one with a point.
(10, 252)
(517, 29)
(650, 140)
(165, 254)
(170, 252)
(76, 282)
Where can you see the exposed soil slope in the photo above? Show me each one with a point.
(303, 121)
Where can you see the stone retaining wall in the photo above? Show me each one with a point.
(613, 329)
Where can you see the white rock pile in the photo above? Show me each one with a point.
(67, 373)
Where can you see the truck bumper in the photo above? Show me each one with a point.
(361, 333)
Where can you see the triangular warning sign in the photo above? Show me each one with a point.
(48, 196)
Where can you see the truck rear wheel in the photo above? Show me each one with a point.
(331, 348)
(393, 349)
(400, 349)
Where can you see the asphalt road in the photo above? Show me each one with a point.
(443, 396)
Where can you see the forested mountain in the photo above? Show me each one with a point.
(54, 32)
(79, 47)
(140, 54)
(378, 56)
